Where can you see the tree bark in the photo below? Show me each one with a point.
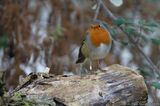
(114, 86)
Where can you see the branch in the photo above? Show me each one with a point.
(116, 85)
(109, 13)
(139, 49)
(97, 11)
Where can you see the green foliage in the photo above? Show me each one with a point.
(129, 30)
(145, 72)
(58, 30)
(155, 41)
(156, 85)
(3, 41)
(144, 25)
(124, 43)
(153, 1)
(18, 95)
(147, 29)
(113, 32)
(119, 21)
(19, 100)
(129, 22)
(145, 37)
(148, 25)
(57, 33)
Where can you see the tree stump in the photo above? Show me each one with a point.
(114, 86)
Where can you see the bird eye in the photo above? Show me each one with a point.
(99, 26)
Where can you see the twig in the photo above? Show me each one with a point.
(113, 18)
(107, 11)
(97, 10)
(139, 49)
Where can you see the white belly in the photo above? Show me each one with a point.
(99, 52)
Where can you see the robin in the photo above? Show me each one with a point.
(96, 45)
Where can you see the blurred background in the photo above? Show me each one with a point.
(35, 34)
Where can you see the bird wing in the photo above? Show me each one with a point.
(83, 52)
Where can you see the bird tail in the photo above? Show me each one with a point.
(80, 59)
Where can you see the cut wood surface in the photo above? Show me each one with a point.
(114, 86)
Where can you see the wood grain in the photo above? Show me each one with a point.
(114, 86)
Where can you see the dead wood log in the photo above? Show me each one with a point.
(116, 86)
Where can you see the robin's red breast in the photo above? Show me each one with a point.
(96, 44)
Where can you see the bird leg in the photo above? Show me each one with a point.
(83, 70)
(90, 65)
(101, 64)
